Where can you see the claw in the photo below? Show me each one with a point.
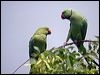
(65, 43)
(75, 41)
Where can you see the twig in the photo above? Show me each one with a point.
(96, 63)
(77, 42)
(20, 66)
(66, 44)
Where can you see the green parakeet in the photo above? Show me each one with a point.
(78, 27)
(37, 43)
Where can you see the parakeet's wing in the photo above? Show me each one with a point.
(84, 29)
(31, 48)
(45, 45)
(69, 34)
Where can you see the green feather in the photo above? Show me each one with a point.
(37, 43)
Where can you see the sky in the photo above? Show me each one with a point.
(20, 20)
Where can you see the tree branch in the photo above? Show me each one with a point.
(77, 42)
(20, 66)
(66, 44)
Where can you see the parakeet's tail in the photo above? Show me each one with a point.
(81, 48)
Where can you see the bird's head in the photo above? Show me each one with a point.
(44, 30)
(66, 14)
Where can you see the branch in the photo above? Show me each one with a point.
(96, 63)
(20, 66)
(66, 44)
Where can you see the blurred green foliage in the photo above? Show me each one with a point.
(68, 61)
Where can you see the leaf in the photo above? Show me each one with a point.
(89, 46)
(35, 55)
(38, 62)
(73, 55)
(92, 55)
(46, 53)
(52, 61)
(56, 52)
(27, 65)
(55, 63)
(69, 62)
(92, 71)
(98, 50)
(61, 49)
(79, 65)
(59, 58)
(97, 37)
(71, 47)
(32, 61)
(52, 49)
(48, 66)
(37, 49)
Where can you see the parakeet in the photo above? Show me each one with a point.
(38, 41)
(78, 27)
(38, 44)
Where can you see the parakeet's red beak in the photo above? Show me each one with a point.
(63, 16)
(49, 31)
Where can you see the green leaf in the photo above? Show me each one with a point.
(32, 61)
(97, 37)
(98, 50)
(89, 46)
(59, 58)
(93, 55)
(37, 49)
(38, 62)
(56, 52)
(71, 47)
(55, 63)
(69, 62)
(48, 66)
(79, 66)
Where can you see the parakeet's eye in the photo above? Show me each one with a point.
(63, 12)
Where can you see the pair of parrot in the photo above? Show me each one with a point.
(77, 32)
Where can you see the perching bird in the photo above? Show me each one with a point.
(38, 41)
(38, 44)
(78, 27)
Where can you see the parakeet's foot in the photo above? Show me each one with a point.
(75, 41)
(65, 43)
(63, 46)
